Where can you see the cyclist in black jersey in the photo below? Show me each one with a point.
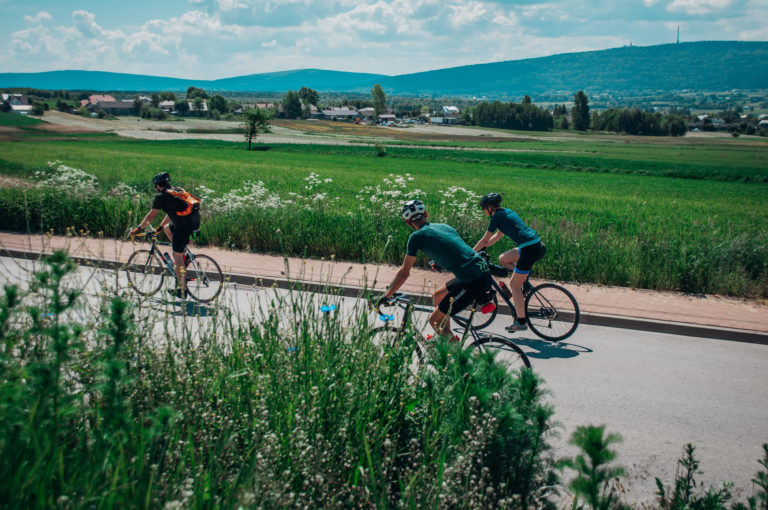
(519, 260)
(182, 218)
(443, 244)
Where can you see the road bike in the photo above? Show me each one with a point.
(390, 334)
(146, 270)
(552, 311)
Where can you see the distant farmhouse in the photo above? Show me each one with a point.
(19, 103)
(448, 115)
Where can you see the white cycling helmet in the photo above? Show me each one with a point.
(412, 208)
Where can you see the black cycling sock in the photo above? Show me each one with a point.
(521, 320)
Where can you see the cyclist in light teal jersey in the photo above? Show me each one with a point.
(519, 260)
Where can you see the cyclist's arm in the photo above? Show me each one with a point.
(149, 217)
(402, 275)
(489, 239)
(165, 221)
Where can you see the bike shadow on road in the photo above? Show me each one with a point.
(190, 309)
(541, 349)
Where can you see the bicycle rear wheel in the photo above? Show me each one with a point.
(506, 351)
(204, 278)
(145, 272)
(552, 312)
(480, 320)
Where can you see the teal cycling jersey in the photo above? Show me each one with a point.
(443, 244)
(512, 225)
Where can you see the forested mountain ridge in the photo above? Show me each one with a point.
(705, 65)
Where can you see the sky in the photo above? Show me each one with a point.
(211, 39)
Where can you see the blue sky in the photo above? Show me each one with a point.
(209, 39)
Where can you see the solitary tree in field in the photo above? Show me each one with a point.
(255, 121)
(379, 99)
(309, 97)
(580, 111)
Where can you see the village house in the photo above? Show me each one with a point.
(340, 113)
(19, 103)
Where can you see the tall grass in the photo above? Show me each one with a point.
(297, 410)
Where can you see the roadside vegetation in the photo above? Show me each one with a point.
(293, 407)
(645, 231)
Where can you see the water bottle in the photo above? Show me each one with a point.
(505, 290)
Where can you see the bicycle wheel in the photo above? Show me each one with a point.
(480, 319)
(392, 337)
(506, 351)
(204, 278)
(145, 272)
(552, 312)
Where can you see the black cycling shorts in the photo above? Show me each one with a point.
(462, 294)
(182, 232)
(528, 256)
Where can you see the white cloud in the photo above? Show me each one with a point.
(37, 18)
(695, 7)
(650, 3)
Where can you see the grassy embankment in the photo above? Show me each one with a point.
(602, 224)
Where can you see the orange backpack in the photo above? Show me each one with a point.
(187, 197)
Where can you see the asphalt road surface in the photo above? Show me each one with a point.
(658, 391)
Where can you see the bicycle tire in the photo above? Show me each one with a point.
(509, 351)
(390, 336)
(204, 279)
(145, 272)
(552, 312)
(480, 320)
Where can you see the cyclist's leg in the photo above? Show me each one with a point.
(168, 229)
(462, 295)
(528, 256)
(509, 258)
(444, 299)
(179, 244)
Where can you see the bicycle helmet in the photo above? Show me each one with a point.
(412, 208)
(490, 200)
(162, 179)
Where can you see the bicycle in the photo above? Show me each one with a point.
(552, 311)
(389, 334)
(146, 270)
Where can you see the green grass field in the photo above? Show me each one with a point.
(621, 220)
(18, 121)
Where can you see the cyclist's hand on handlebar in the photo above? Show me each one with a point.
(135, 230)
(434, 266)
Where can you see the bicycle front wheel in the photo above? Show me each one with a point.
(480, 320)
(552, 312)
(204, 278)
(392, 338)
(506, 351)
(145, 272)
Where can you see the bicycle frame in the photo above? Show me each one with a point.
(154, 250)
(407, 305)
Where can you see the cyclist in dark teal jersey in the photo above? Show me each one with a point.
(443, 244)
(519, 260)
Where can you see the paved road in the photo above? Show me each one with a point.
(658, 391)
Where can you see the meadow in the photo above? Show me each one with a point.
(656, 216)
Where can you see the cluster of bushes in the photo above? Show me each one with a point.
(522, 116)
(638, 122)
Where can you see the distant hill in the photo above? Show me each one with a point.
(706, 65)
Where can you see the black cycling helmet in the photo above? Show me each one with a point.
(490, 200)
(412, 208)
(163, 179)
